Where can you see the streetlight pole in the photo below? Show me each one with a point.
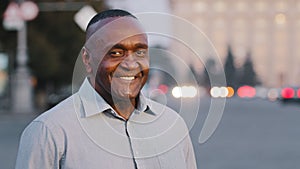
(15, 18)
(22, 90)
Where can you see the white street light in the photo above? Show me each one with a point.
(83, 16)
(29, 10)
(12, 18)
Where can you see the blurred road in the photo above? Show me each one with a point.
(253, 134)
(11, 127)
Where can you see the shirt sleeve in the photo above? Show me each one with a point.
(190, 155)
(38, 148)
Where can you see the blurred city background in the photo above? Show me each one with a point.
(256, 48)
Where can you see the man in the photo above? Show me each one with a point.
(108, 123)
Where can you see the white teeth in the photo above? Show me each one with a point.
(127, 78)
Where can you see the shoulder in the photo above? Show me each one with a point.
(162, 109)
(166, 115)
(58, 116)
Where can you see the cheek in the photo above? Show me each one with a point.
(145, 64)
(106, 68)
(94, 65)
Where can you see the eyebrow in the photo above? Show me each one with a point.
(138, 45)
(141, 45)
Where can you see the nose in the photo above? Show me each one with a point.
(129, 62)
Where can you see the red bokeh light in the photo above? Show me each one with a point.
(163, 88)
(246, 91)
(288, 93)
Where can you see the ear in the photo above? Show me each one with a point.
(86, 59)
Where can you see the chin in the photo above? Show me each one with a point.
(125, 96)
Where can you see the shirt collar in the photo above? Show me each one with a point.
(94, 104)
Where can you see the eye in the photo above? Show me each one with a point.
(116, 52)
(141, 52)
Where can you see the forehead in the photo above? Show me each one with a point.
(110, 31)
(118, 27)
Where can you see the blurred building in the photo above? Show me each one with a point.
(267, 29)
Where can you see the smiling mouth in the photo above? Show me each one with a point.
(129, 77)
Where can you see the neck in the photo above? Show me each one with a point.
(124, 107)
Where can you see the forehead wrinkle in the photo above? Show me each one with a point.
(139, 41)
(102, 45)
(109, 28)
(101, 41)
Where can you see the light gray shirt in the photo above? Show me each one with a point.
(84, 132)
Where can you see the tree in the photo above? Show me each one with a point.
(230, 70)
(209, 67)
(248, 75)
(54, 42)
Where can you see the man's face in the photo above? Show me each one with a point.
(123, 68)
